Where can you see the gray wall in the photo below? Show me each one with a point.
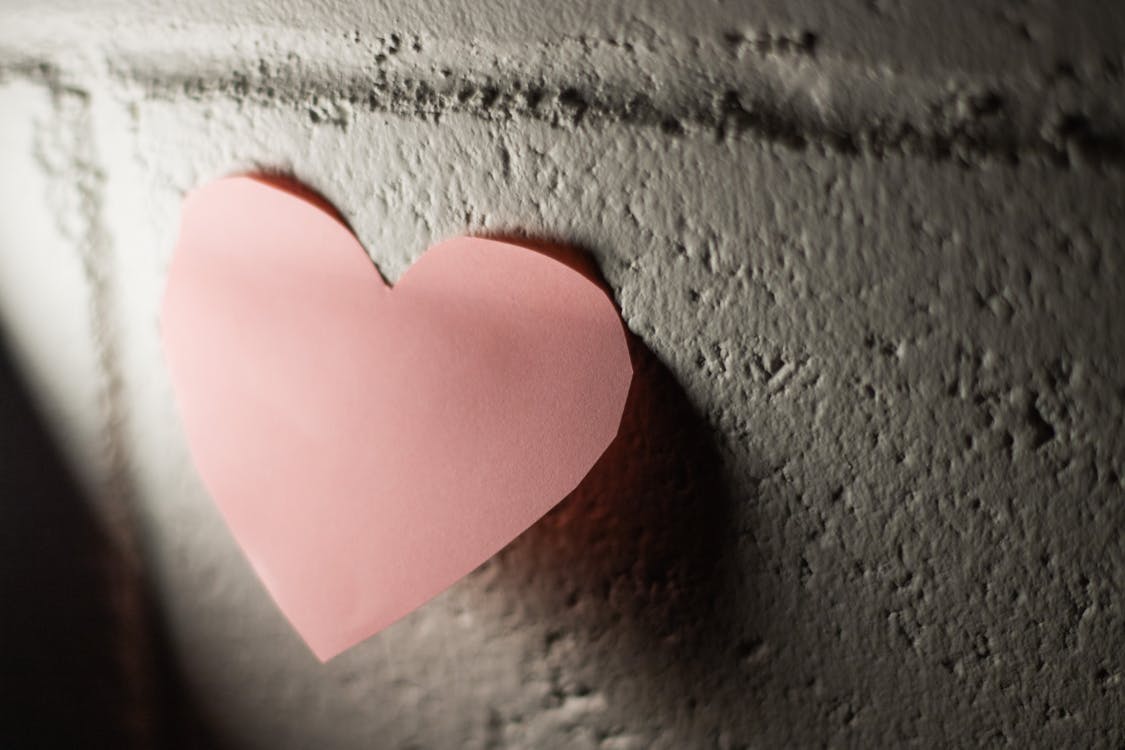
(870, 490)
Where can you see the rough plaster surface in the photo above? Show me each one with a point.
(870, 487)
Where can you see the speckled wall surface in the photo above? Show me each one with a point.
(869, 491)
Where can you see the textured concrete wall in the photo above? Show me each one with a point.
(871, 487)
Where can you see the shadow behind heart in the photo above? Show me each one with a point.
(636, 569)
(640, 567)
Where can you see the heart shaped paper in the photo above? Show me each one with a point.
(368, 446)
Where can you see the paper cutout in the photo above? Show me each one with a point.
(370, 446)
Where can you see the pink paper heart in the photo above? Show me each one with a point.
(370, 446)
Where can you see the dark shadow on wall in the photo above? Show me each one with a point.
(637, 568)
(70, 675)
(647, 564)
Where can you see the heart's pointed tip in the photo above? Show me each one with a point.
(325, 655)
(327, 647)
